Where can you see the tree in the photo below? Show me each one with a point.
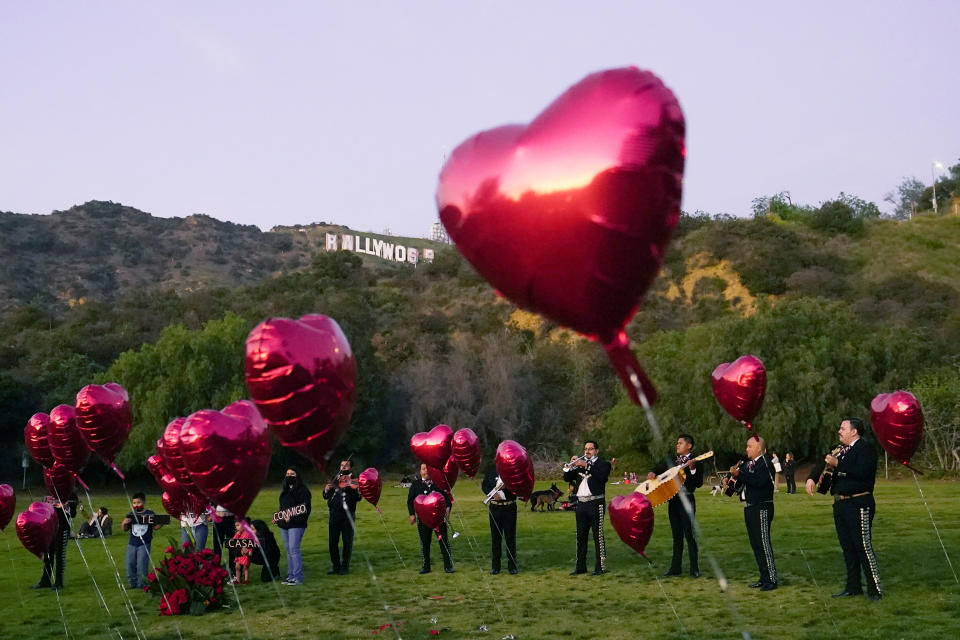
(907, 198)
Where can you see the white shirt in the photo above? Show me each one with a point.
(583, 491)
(188, 520)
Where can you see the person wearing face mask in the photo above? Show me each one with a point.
(137, 522)
(292, 519)
(342, 497)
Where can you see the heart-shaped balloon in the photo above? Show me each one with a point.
(431, 508)
(60, 481)
(570, 216)
(35, 437)
(156, 466)
(739, 387)
(227, 454)
(302, 375)
(8, 504)
(632, 517)
(515, 468)
(36, 527)
(178, 499)
(104, 418)
(433, 447)
(446, 477)
(370, 485)
(66, 442)
(170, 452)
(897, 422)
(465, 449)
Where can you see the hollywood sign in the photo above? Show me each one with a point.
(376, 247)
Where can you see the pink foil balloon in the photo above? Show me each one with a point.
(515, 468)
(570, 215)
(465, 448)
(431, 508)
(8, 505)
(66, 442)
(446, 477)
(632, 517)
(740, 386)
(227, 454)
(36, 527)
(433, 447)
(170, 452)
(178, 499)
(59, 480)
(370, 485)
(104, 418)
(302, 375)
(35, 438)
(897, 422)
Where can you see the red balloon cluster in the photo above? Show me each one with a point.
(570, 215)
(465, 449)
(66, 442)
(36, 527)
(369, 485)
(8, 504)
(60, 482)
(302, 376)
(740, 386)
(632, 517)
(104, 418)
(431, 508)
(897, 422)
(446, 477)
(515, 468)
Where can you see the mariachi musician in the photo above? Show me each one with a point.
(756, 476)
(681, 523)
(424, 486)
(589, 473)
(342, 495)
(503, 522)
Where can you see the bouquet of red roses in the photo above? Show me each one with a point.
(188, 581)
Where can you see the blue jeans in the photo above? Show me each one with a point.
(199, 535)
(291, 543)
(138, 564)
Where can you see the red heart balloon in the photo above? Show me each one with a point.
(570, 216)
(35, 437)
(177, 497)
(104, 418)
(157, 467)
(60, 481)
(632, 517)
(515, 468)
(431, 508)
(433, 447)
(302, 375)
(227, 454)
(369, 485)
(36, 527)
(172, 458)
(66, 442)
(897, 422)
(8, 504)
(739, 387)
(446, 477)
(465, 449)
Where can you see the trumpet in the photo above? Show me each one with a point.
(491, 494)
(569, 465)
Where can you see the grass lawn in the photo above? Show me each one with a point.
(922, 598)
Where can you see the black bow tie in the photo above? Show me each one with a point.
(682, 459)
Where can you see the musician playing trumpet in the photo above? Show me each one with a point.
(589, 473)
(681, 522)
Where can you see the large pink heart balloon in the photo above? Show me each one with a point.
(59, 480)
(431, 508)
(36, 527)
(66, 443)
(177, 498)
(227, 454)
(433, 447)
(632, 517)
(35, 437)
(370, 485)
(302, 375)
(465, 448)
(897, 422)
(515, 468)
(170, 452)
(8, 504)
(446, 477)
(570, 215)
(739, 387)
(104, 418)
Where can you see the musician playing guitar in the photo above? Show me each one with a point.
(342, 496)
(681, 522)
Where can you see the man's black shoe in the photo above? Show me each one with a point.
(873, 597)
(847, 594)
(449, 569)
(333, 571)
(343, 571)
(513, 572)
(769, 587)
(424, 570)
(577, 572)
(694, 574)
(599, 572)
(494, 572)
(755, 585)
(671, 572)
(43, 584)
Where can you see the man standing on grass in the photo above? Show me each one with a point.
(681, 522)
(503, 522)
(424, 486)
(342, 497)
(757, 496)
(589, 473)
(854, 474)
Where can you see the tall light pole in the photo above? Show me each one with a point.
(933, 173)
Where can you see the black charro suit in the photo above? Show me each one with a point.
(590, 511)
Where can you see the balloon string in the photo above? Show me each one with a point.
(66, 631)
(395, 547)
(653, 572)
(936, 530)
(83, 557)
(16, 576)
(813, 577)
(273, 579)
(484, 576)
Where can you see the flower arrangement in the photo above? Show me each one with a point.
(188, 581)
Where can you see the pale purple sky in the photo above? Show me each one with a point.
(296, 112)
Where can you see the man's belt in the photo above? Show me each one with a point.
(503, 503)
(838, 498)
(590, 498)
(757, 504)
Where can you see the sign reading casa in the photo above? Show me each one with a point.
(377, 247)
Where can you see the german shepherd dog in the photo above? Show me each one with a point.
(548, 498)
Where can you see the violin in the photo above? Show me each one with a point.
(344, 480)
